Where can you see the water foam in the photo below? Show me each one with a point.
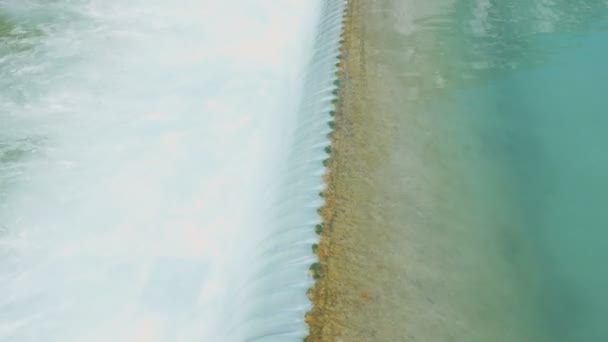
(156, 183)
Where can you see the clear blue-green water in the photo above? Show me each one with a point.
(555, 148)
(501, 150)
(548, 132)
(529, 80)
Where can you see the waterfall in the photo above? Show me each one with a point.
(278, 288)
(160, 167)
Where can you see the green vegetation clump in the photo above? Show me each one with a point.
(315, 269)
(318, 229)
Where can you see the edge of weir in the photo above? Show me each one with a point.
(279, 290)
(326, 208)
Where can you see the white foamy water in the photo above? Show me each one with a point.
(146, 148)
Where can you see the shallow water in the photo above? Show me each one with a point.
(518, 89)
(148, 188)
(470, 164)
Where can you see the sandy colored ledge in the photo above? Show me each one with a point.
(338, 292)
(410, 249)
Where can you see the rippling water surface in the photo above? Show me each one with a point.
(519, 91)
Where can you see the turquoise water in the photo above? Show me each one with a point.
(528, 79)
(550, 138)
(564, 185)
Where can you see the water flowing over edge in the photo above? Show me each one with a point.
(271, 304)
(283, 280)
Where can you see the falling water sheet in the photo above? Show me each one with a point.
(147, 171)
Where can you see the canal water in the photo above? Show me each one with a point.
(516, 93)
(469, 168)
